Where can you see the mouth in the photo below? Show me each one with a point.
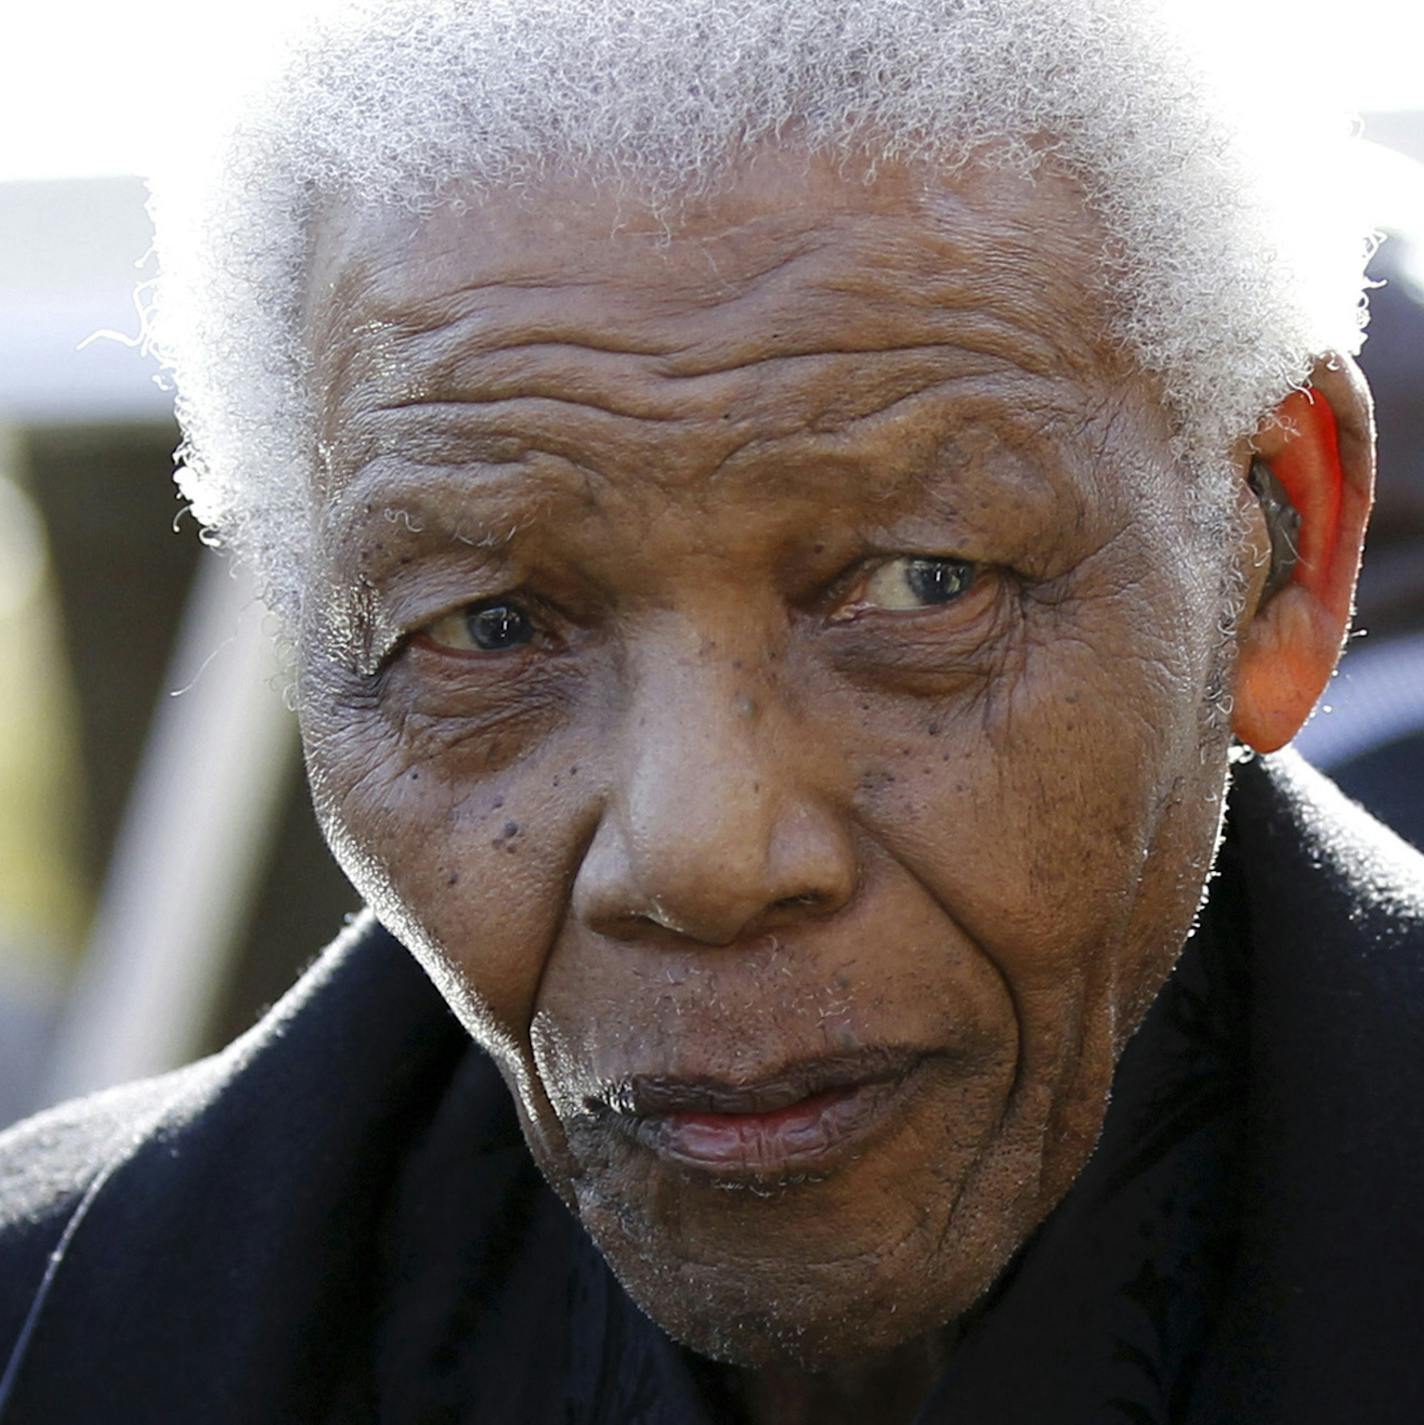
(793, 1123)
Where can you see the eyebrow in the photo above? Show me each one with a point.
(416, 497)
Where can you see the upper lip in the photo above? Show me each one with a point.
(662, 1095)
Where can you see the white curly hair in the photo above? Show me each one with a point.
(1230, 262)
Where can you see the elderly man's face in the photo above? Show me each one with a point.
(762, 667)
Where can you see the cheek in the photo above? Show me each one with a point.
(469, 872)
(1065, 813)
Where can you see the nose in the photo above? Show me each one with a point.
(718, 827)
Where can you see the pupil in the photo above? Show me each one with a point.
(496, 626)
(937, 581)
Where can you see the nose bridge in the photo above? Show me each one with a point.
(698, 763)
(714, 827)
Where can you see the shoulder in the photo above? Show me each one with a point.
(1335, 909)
(1331, 912)
(1328, 908)
(49, 1163)
(176, 1193)
(1320, 865)
(1294, 822)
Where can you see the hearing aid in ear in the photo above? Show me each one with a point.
(1282, 525)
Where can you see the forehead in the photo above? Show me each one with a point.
(804, 318)
(781, 209)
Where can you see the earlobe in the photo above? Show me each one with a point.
(1320, 449)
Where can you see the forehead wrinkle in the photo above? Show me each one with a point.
(907, 282)
(565, 412)
(919, 455)
(374, 283)
(730, 378)
(379, 275)
(534, 367)
(635, 391)
(867, 426)
(562, 441)
(708, 285)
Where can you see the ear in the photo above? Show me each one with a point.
(1320, 446)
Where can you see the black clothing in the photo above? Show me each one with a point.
(1389, 780)
(336, 1219)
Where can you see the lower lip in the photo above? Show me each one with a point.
(800, 1138)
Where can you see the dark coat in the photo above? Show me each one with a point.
(336, 1219)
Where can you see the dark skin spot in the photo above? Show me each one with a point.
(916, 369)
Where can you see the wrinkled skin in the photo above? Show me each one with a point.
(728, 811)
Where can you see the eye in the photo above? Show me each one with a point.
(915, 582)
(491, 626)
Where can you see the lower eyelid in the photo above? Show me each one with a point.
(421, 640)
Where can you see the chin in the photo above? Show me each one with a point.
(824, 1343)
(758, 1311)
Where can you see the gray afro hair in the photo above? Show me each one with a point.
(1229, 272)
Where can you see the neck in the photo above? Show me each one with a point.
(884, 1390)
